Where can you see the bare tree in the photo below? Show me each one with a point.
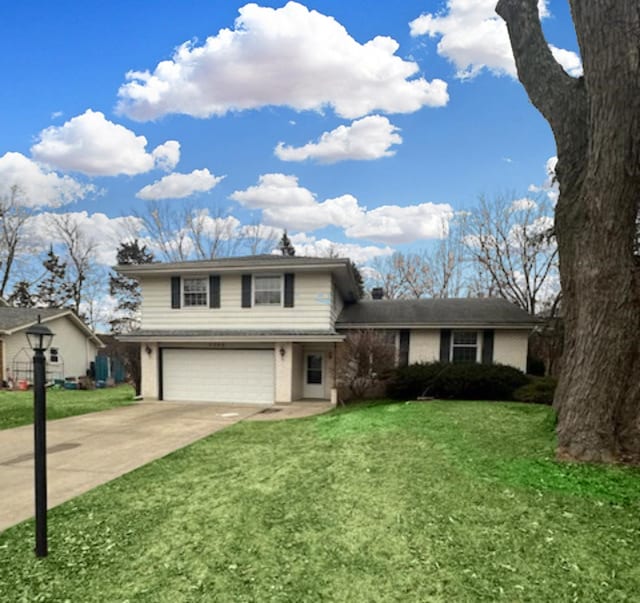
(183, 233)
(164, 227)
(434, 272)
(364, 360)
(512, 245)
(78, 253)
(258, 238)
(596, 127)
(13, 215)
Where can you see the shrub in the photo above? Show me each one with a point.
(535, 366)
(539, 391)
(465, 381)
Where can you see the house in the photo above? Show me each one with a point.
(265, 329)
(72, 351)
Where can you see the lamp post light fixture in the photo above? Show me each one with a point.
(39, 337)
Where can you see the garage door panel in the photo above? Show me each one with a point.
(218, 375)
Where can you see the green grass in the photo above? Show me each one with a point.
(16, 407)
(443, 501)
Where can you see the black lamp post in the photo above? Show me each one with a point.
(39, 337)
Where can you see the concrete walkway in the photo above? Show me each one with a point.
(92, 449)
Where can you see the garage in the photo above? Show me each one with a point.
(217, 375)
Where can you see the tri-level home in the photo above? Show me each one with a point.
(265, 329)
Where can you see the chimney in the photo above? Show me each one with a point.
(377, 293)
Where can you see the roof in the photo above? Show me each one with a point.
(15, 319)
(242, 262)
(434, 312)
(340, 268)
(228, 335)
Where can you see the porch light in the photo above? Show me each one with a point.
(282, 352)
(39, 337)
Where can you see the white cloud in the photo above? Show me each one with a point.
(569, 60)
(286, 204)
(342, 211)
(93, 145)
(103, 232)
(523, 204)
(403, 224)
(367, 138)
(550, 185)
(167, 155)
(274, 190)
(311, 247)
(473, 37)
(179, 186)
(39, 187)
(289, 56)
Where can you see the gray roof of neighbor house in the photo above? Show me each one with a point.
(14, 319)
(478, 312)
(339, 267)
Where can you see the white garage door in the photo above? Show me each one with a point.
(218, 375)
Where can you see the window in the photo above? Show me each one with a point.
(267, 291)
(53, 355)
(464, 346)
(314, 369)
(195, 291)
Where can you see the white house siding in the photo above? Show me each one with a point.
(424, 345)
(510, 347)
(297, 371)
(337, 303)
(312, 307)
(149, 370)
(76, 351)
(283, 372)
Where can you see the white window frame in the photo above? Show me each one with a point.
(185, 292)
(254, 291)
(54, 351)
(477, 344)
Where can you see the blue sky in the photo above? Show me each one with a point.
(408, 111)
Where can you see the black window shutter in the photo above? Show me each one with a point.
(214, 291)
(487, 346)
(445, 344)
(175, 291)
(289, 279)
(403, 355)
(246, 291)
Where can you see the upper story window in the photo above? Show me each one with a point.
(53, 355)
(267, 291)
(464, 346)
(195, 291)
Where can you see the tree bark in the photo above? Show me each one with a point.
(596, 124)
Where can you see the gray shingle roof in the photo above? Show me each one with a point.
(245, 261)
(14, 318)
(437, 312)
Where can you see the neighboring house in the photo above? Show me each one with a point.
(265, 328)
(72, 350)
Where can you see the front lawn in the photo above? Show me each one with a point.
(443, 501)
(16, 407)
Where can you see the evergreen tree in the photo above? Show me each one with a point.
(127, 293)
(21, 297)
(285, 246)
(359, 280)
(54, 291)
(126, 290)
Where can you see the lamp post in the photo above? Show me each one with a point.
(39, 337)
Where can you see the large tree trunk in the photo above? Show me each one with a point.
(596, 124)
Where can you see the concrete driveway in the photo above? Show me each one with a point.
(88, 450)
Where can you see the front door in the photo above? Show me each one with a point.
(313, 376)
